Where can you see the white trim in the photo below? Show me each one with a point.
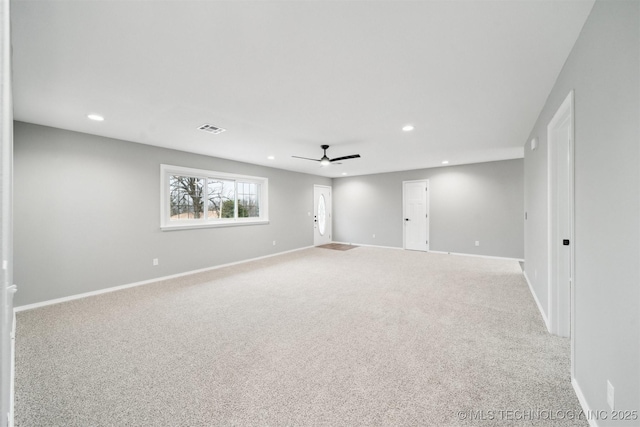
(369, 246)
(205, 172)
(434, 252)
(564, 113)
(478, 256)
(572, 232)
(535, 298)
(593, 422)
(144, 282)
(234, 223)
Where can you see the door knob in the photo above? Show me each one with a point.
(407, 219)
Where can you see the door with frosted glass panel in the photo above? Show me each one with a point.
(321, 215)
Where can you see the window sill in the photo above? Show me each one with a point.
(183, 226)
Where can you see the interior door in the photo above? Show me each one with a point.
(415, 197)
(563, 250)
(560, 136)
(321, 215)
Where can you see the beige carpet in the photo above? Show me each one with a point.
(371, 337)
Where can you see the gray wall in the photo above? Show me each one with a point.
(482, 201)
(604, 70)
(87, 214)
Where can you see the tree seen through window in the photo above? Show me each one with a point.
(224, 198)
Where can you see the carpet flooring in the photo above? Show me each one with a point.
(370, 337)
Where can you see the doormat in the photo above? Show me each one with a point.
(337, 246)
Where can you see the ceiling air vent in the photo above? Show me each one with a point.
(211, 129)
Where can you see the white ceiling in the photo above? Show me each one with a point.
(284, 77)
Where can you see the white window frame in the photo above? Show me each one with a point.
(166, 224)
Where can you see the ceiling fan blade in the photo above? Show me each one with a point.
(352, 156)
(306, 158)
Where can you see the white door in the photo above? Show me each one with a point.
(560, 137)
(415, 196)
(321, 215)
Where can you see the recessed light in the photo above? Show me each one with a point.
(344, 173)
(445, 162)
(96, 117)
(407, 128)
(270, 157)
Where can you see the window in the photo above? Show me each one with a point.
(193, 198)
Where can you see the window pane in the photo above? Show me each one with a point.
(322, 215)
(248, 200)
(221, 203)
(185, 193)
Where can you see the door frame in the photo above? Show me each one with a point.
(404, 213)
(564, 115)
(7, 288)
(330, 212)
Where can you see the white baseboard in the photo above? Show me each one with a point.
(144, 282)
(433, 252)
(368, 246)
(535, 298)
(478, 256)
(593, 422)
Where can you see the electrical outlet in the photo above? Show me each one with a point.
(535, 273)
(610, 397)
(155, 261)
(374, 236)
(477, 243)
(274, 243)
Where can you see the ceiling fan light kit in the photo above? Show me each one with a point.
(325, 160)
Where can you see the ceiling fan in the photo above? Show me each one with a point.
(324, 161)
